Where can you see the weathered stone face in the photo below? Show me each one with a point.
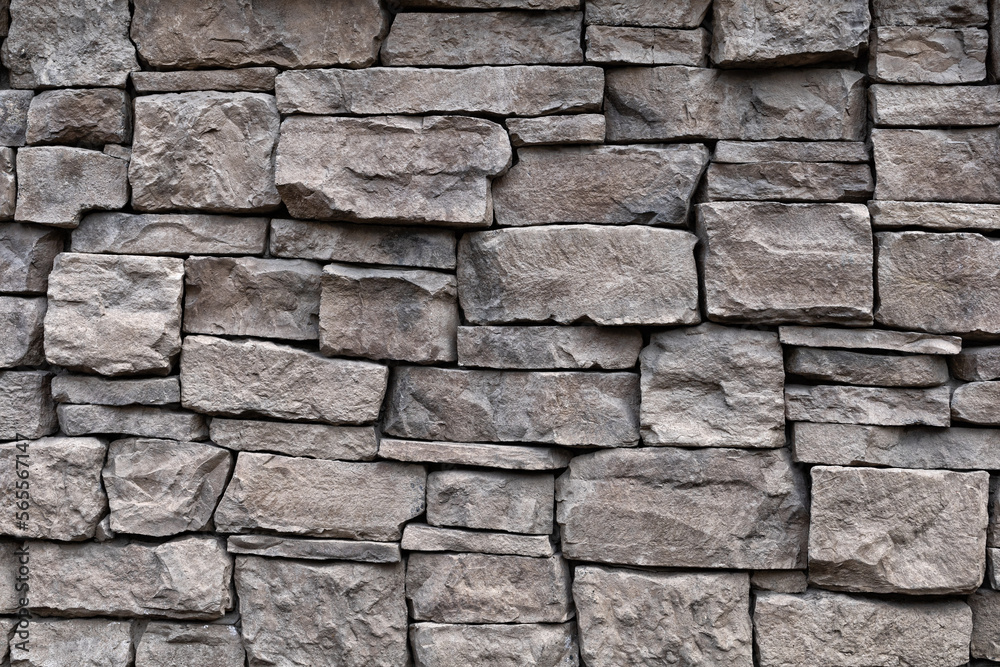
(189, 644)
(419, 537)
(333, 168)
(26, 410)
(169, 234)
(325, 549)
(712, 386)
(622, 45)
(977, 364)
(14, 105)
(249, 79)
(934, 105)
(674, 507)
(912, 342)
(532, 645)
(506, 457)
(87, 116)
(897, 531)
(780, 581)
(867, 369)
(630, 617)
(305, 613)
(841, 404)
(742, 152)
(977, 403)
(8, 184)
(789, 181)
(917, 54)
(950, 13)
(985, 606)
(548, 347)
(21, 331)
(87, 389)
(26, 253)
(683, 14)
(81, 641)
(510, 502)
(140, 421)
(584, 128)
(183, 155)
(318, 441)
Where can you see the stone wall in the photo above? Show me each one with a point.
(499, 332)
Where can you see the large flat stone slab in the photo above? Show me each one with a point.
(950, 13)
(420, 537)
(789, 181)
(300, 548)
(318, 441)
(880, 406)
(249, 79)
(879, 370)
(934, 216)
(626, 45)
(491, 500)
(93, 390)
(931, 105)
(88, 116)
(912, 342)
(543, 347)
(505, 457)
(140, 421)
(169, 234)
(744, 152)
(923, 54)
(494, 645)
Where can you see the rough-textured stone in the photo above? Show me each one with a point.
(870, 339)
(630, 617)
(977, 364)
(26, 409)
(363, 244)
(87, 389)
(877, 370)
(880, 406)
(918, 54)
(8, 596)
(319, 441)
(531, 348)
(300, 548)
(248, 79)
(494, 589)
(483, 38)
(183, 155)
(581, 273)
(8, 184)
(226, 377)
(496, 406)
(433, 170)
(506, 457)
(977, 403)
(419, 537)
(605, 184)
(14, 105)
(739, 152)
(937, 165)
(941, 283)
(993, 568)
(169, 234)
(87, 179)
(65, 500)
(760, 33)
(585, 128)
(622, 45)
(643, 104)
(26, 254)
(114, 314)
(492, 4)
(188, 577)
(493, 500)
(945, 13)
(770, 263)
(682, 14)
(185, 34)
(190, 645)
(675, 507)
(530, 645)
(69, 43)
(944, 217)
(142, 422)
(21, 331)
(713, 386)
(934, 105)
(92, 117)
(163, 487)
(821, 628)
(897, 531)
(985, 606)
(361, 501)
(401, 314)
(85, 642)
(517, 90)
(780, 581)
(789, 181)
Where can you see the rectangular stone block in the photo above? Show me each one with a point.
(27, 253)
(919, 54)
(681, 14)
(14, 105)
(494, 645)
(273, 546)
(359, 501)
(672, 507)
(189, 644)
(584, 128)
(96, 641)
(773, 263)
(877, 370)
(929, 106)
(249, 79)
(623, 45)
(169, 234)
(493, 500)
(789, 181)
(419, 537)
(870, 339)
(507, 457)
(88, 116)
(21, 331)
(140, 421)
(739, 152)
(88, 389)
(495, 406)
(976, 403)
(943, 217)
(89, 180)
(780, 581)
(8, 184)
(26, 409)
(529, 348)
(878, 406)
(985, 605)
(977, 364)
(318, 441)
(945, 13)
(581, 273)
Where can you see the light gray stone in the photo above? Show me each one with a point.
(88, 116)
(318, 441)
(494, 589)
(140, 421)
(977, 364)
(187, 578)
(943, 217)
(88, 180)
(21, 331)
(87, 389)
(26, 409)
(528, 644)
(780, 581)
(870, 339)
(496, 406)
(821, 628)
(169, 234)
(491, 500)
(14, 105)
(993, 568)
(771, 263)
(27, 253)
(505, 457)
(985, 605)
(584, 128)
(531, 348)
(609, 275)
(533, 5)
(181, 34)
(419, 537)
(248, 79)
(929, 106)
(433, 170)
(65, 500)
(761, 34)
(483, 38)
(322, 614)
(919, 54)
(114, 314)
(879, 370)
(69, 43)
(643, 104)
(898, 531)
(8, 184)
(516, 90)
(614, 185)
(301, 548)
(183, 155)
(363, 244)
(400, 314)
(630, 617)
(682, 14)
(190, 645)
(360, 501)
(789, 181)
(878, 406)
(86, 642)
(713, 386)
(232, 378)
(944, 13)
(671, 507)
(940, 283)
(163, 487)
(977, 403)
(738, 152)
(624, 45)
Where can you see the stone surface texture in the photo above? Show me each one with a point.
(93, 117)
(88, 180)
